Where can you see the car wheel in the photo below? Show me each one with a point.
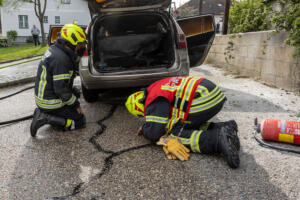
(89, 95)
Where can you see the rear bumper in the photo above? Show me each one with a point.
(91, 81)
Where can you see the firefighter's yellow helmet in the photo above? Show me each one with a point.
(73, 34)
(133, 104)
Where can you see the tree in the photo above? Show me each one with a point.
(186, 11)
(248, 16)
(1, 2)
(254, 15)
(288, 19)
(39, 10)
(200, 3)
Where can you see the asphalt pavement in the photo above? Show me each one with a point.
(112, 162)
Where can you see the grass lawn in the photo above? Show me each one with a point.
(12, 53)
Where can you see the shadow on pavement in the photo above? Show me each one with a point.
(244, 102)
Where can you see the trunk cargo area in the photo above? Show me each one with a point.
(133, 42)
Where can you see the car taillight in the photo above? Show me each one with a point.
(181, 41)
(86, 52)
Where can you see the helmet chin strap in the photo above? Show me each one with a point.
(143, 100)
(68, 44)
(71, 46)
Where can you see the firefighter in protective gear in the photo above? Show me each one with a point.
(177, 111)
(55, 97)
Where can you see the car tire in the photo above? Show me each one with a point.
(89, 96)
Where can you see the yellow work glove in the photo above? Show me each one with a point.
(168, 154)
(174, 149)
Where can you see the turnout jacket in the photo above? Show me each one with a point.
(205, 103)
(55, 76)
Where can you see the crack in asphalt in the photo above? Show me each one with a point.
(108, 161)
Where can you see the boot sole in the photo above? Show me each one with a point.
(236, 141)
(231, 152)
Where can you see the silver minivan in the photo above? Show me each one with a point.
(134, 43)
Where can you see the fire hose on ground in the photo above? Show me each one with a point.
(19, 119)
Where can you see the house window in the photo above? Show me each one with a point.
(23, 21)
(57, 19)
(66, 1)
(45, 19)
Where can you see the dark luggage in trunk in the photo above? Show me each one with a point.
(126, 43)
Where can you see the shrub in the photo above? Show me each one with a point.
(289, 20)
(12, 34)
(3, 42)
(252, 15)
(248, 16)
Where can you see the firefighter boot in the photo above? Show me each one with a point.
(40, 119)
(233, 129)
(226, 147)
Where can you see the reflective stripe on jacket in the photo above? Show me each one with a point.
(179, 91)
(54, 80)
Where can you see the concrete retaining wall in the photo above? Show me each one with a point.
(254, 55)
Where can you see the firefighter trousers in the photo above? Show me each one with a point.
(68, 113)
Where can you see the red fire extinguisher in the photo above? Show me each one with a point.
(278, 131)
(281, 131)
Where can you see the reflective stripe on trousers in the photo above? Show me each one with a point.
(192, 142)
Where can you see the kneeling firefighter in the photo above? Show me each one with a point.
(177, 110)
(55, 96)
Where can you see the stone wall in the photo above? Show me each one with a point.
(261, 55)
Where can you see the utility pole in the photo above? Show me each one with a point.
(200, 6)
(226, 14)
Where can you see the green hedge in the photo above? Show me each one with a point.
(248, 16)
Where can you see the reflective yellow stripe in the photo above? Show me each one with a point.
(187, 95)
(51, 101)
(42, 83)
(197, 141)
(71, 100)
(208, 105)
(71, 74)
(49, 106)
(182, 86)
(213, 94)
(204, 97)
(157, 119)
(61, 77)
(184, 89)
(185, 141)
(69, 123)
(202, 90)
(188, 91)
(45, 81)
(194, 141)
(179, 94)
(169, 88)
(204, 126)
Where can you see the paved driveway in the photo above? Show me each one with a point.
(114, 163)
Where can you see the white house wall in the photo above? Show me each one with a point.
(77, 10)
